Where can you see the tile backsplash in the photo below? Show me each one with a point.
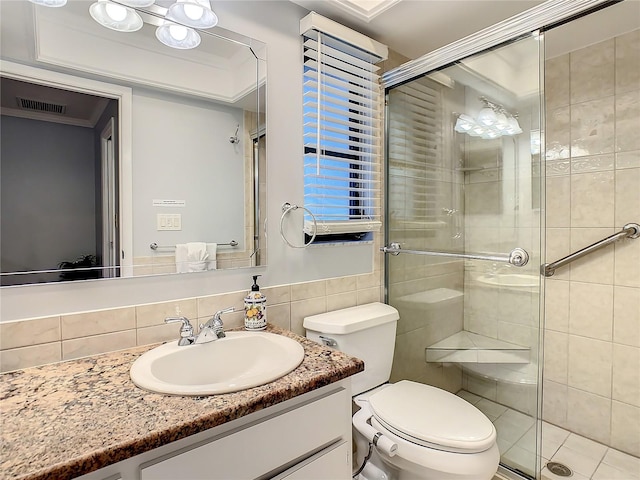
(39, 341)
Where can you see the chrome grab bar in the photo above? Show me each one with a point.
(155, 246)
(517, 257)
(630, 230)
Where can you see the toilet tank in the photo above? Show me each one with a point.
(367, 332)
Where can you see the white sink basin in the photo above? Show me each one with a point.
(510, 280)
(239, 361)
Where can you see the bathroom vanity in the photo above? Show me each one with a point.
(85, 418)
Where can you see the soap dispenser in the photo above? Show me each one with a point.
(255, 308)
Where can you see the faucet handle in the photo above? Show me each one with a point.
(186, 329)
(213, 329)
(215, 323)
(220, 312)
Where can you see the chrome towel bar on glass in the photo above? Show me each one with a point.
(630, 230)
(155, 246)
(517, 257)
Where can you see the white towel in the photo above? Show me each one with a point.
(212, 263)
(191, 257)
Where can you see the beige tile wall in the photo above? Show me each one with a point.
(33, 342)
(592, 330)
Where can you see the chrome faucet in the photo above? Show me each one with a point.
(186, 330)
(213, 329)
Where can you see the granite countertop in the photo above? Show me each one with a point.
(63, 420)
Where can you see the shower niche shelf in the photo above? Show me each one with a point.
(467, 347)
(511, 373)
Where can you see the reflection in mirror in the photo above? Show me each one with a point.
(122, 156)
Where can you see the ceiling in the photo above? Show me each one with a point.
(416, 27)
(409, 27)
(39, 102)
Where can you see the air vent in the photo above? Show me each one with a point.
(40, 106)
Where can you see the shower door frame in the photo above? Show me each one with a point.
(540, 18)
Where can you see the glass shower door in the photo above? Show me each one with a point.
(463, 166)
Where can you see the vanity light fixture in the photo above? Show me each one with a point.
(176, 29)
(193, 13)
(115, 16)
(492, 121)
(50, 3)
(177, 36)
(137, 3)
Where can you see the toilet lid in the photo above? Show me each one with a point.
(432, 417)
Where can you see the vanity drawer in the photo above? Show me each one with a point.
(267, 447)
(333, 462)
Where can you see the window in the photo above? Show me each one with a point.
(419, 181)
(342, 131)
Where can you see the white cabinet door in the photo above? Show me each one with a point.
(331, 463)
(262, 447)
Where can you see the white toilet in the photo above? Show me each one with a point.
(419, 431)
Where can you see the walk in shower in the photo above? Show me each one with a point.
(479, 195)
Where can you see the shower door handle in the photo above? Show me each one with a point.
(393, 248)
(518, 257)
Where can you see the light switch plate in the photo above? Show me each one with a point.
(168, 221)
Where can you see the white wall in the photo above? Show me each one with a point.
(48, 191)
(186, 155)
(277, 24)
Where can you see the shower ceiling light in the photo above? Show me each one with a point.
(487, 117)
(464, 123)
(492, 121)
(513, 127)
(177, 31)
(501, 121)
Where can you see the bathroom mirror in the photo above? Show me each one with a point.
(117, 148)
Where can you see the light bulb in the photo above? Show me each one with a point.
(501, 121)
(477, 131)
(178, 32)
(138, 3)
(115, 17)
(192, 11)
(487, 117)
(116, 12)
(513, 127)
(464, 124)
(177, 36)
(491, 134)
(50, 3)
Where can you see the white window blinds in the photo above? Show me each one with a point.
(419, 181)
(342, 122)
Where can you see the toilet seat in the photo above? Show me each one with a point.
(432, 417)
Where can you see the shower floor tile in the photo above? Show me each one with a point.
(587, 459)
